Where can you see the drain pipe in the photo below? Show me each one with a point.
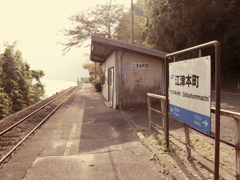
(119, 94)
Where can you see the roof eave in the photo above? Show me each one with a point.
(110, 45)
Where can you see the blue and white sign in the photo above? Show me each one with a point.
(190, 92)
(125, 71)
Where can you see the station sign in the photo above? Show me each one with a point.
(190, 92)
(140, 66)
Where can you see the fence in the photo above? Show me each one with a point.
(234, 115)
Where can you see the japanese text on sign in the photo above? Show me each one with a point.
(125, 71)
(181, 80)
(140, 65)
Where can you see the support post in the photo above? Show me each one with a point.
(163, 109)
(187, 141)
(217, 112)
(237, 147)
(167, 102)
(149, 112)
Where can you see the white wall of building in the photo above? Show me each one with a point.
(140, 75)
(134, 76)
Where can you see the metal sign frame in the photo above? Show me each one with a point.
(199, 48)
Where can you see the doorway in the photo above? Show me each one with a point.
(110, 85)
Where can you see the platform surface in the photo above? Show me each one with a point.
(85, 140)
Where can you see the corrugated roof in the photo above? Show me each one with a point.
(102, 48)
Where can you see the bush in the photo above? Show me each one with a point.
(5, 105)
(97, 85)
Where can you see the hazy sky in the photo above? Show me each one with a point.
(35, 24)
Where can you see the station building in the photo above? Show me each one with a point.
(129, 71)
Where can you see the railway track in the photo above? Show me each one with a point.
(16, 129)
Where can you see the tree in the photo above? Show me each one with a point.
(94, 69)
(10, 76)
(175, 25)
(5, 105)
(123, 29)
(20, 86)
(101, 20)
(5, 101)
(37, 88)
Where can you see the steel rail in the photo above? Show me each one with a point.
(34, 112)
(34, 129)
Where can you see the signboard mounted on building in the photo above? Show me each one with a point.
(140, 65)
(125, 71)
(190, 92)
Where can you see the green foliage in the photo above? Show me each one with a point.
(165, 25)
(85, 80)
(94, 69)
(36, 92)
(97, 84)
(20, 86)
(101, 20)
(175, 25)
(5, 105)
(123, 30)
(36, 89)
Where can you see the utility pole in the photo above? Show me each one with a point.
(108, 16)
(132, 23)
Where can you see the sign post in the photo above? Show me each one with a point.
(172, 56)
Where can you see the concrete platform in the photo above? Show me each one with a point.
(84, 139)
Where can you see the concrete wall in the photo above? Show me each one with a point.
(139, 75)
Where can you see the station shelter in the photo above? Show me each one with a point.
(129, 71)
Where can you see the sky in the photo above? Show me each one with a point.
(36, 25)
